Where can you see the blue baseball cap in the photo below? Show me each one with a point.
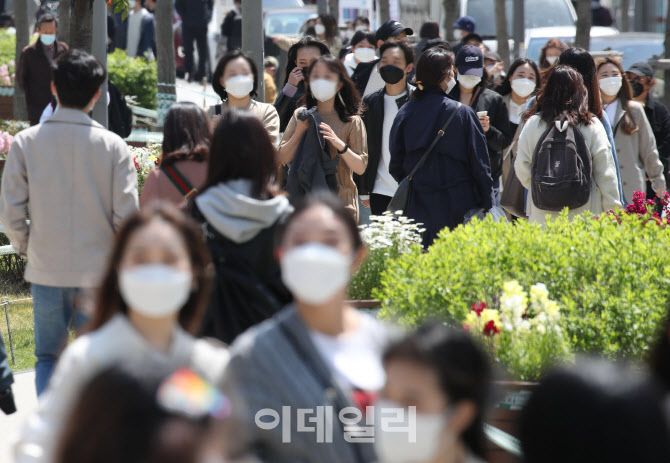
(470, 61)
(467, 23)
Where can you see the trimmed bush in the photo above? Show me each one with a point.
(610, 279)
(134, 77)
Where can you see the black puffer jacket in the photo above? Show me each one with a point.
(373, 118)
(501, 132)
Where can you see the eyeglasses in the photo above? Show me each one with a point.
(639, 79)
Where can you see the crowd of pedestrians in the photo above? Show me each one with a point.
(212, 311)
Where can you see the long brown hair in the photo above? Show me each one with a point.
(109, 300)
(628, 125)
(186, 134)
(348, 93)
(551, 43)
(242, 149)
(563, 96)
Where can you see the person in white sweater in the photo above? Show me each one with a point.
(151, 300)
(564, 97)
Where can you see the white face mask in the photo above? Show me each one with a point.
(395, 447)
(132, 4)
(239, 86)
(552, 59)
(610, 86)
(155, 290)
(523, 87)
(323, 89)
(458, 34)
(490, 69)
(314, 272)
(365, 55)
(451, 83)
(320, 29)
(469, 82)
(361, 27)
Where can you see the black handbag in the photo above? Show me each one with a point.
(401, 197)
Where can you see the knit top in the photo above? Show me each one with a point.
(353, 133)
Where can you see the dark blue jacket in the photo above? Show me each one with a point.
(457, 174)
(147, 36)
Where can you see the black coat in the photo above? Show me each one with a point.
(248, 288)
(659, 119)
(456, 176)
(286, 106)
(232, 29)
(195, 13)
(501, 132)
(373, 118)
(362, 74)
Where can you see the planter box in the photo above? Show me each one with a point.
(7, 103)
(506, 416)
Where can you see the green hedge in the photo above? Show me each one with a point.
(134, 77)
(7, 46)
(612, 281)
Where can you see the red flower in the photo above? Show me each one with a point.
(490, 329)
(467, 328)
(137, 166)
(479, 308)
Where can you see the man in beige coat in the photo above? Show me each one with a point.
(78, 182)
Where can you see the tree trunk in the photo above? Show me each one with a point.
(450, 16)
(625, 19)
(502, 32)
(166, 59)
(64, 21)
(666, 96)
(384, 11)
(584, 19)
(22, 40)
(334, 9)
(82, 24)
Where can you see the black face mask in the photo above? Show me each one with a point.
(638, 88)
(391, 74)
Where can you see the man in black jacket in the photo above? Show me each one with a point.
(195, 16)
(642, 80)
(231, 28)
(366, 76)
(376, 186)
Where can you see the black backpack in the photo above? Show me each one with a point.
(561, 169)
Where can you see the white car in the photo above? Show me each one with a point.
(537, 38)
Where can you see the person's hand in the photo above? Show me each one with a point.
(295, 77)
(301, 127)
(329, 135)
(366, 203)
(486, 124)
(661, 194)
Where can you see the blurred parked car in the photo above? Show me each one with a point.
(633, 46)
(537, 38)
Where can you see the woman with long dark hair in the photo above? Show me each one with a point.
(300, 57)
(338, 104)
(240, 209)
(236, 82)
(326, 32)
(518, 87)
(489, 106)
(456, 176)
(634, 139)
(183, 166)
(149, 305)
(565, 98)
(582, 62)
(551, 51)
(447, 377)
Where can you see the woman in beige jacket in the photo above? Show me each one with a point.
(633, 137)
(564, 97)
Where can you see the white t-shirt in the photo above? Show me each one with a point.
(385, 184)
(350, 64)
(515, 111)
(375, 83)
(355, 359)
(611, 109)
(135, 31)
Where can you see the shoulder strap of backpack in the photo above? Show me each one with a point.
(179, 180)
(217, 110)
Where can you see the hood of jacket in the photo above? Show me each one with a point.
(231, 210)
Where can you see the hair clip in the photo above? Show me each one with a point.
(186, 393)
(419, 84)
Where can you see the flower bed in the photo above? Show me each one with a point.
(145, 159)
(610, 277)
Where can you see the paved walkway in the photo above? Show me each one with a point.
(26, 401)
(196, 93)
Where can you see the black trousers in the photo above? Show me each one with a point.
(379, 203)
(199, 35)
